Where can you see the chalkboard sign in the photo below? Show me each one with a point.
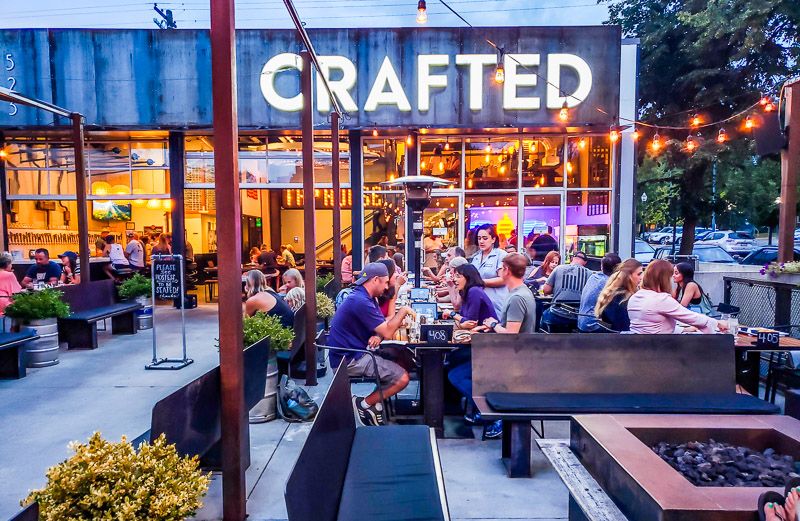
(436, 334)
(167, 278)
(768, 339)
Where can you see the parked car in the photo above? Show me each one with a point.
(648, 235)
(664, 236)
(643, 252)
(703, 252)
(765, 255)
(702, 235)
(733, 242)
(797, 235)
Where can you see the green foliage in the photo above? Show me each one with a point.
(105, 481)
(774, 269)
(261, 325)
(321, 281)
(37, 305)
(136, 286)
(324, 306)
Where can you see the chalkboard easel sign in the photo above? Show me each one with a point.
(167, 275)
(768, 339)
(436, 334)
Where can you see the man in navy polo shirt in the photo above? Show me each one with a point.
(359, 324)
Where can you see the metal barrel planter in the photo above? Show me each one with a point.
(144, 316)
(44, 351)
(267, 409)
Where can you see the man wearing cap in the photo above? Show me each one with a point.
(134, 251)
(359, 324)
(70, 268)
(565, 283)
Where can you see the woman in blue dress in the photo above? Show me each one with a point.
(489, 261)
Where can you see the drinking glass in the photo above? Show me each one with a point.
(733, 326)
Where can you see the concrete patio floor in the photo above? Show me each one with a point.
(109, 390)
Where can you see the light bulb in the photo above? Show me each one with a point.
(3, 153)
(422, 15)
(722, 136)
(563, 114)
(769, 107)
(569, 167)
(614, 136)
(696, 120)
(748, 122)
(447, 146)
(582, 143)
(374, 132)
(500, 73)
(690, 144)
(636, 134)
(409, 141)
(656, 144)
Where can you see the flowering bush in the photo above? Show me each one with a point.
(774, 269)
(261, 325)
(111, 481)
(324, 306)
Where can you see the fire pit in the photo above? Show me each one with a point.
(617, 451)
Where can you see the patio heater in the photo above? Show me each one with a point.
(417, 189)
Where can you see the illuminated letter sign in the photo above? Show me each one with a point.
(475, 62)
(271, 69)
(394, 96)
(339, 88)
(426, 80)
(516, 79)
(554, 63)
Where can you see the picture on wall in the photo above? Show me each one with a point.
(111, 211)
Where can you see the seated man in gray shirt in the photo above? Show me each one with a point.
(566, 283)
(519, 312)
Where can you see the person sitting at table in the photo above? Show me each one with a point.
(475, 304)
(116, 255)
(359, 324)
(565, 283)
(489, 260)
(261, 297)
(376, 253)
(587, 322)
(296, 297)
(450, 293)
(287, 258)
(291, 279)
(612, 303)
(540, 274)
(386, 301)
(267, 259)
(399, 261)
(449, 255)
(687, 291)
(652, 309)
(43, 271)
(254, 253)
(8, 281)
(347, 268)
(163, 247)
(70, 268)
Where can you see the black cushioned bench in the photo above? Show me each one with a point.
(13, 362)
(191, 417)
(90, 304)
(520, 378)
(346, 473)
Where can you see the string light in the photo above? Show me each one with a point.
(447, 144)
(636, 135)
(563, 114)
(769, 107)
(374, 132)
(614, 136)
(582, 143)
(722, 136)
(690, 144)
(695, 121)
(422, 15)
(749, 123)
(500, 72)
(656, 144)
(409, 141)
(3, 154)
(764, 100)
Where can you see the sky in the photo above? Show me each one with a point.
(266, 14)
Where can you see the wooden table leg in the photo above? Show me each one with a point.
(517, 441)
(748, 367)
(433, 390)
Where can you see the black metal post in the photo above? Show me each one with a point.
(5, 208)
(337, 200)
(80, 188)
(177, 168)
(356, 185)
(309, 221)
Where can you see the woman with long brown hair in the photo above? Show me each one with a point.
(653, 310)
(539, 276)
(612, 303)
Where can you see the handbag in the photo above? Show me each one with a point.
(294, 403)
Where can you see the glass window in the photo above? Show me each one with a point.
(384, 160)
(441, 158)
(542, 162)
(588, 226)
(439, 222)
(589, 162)
(541, 225)
(146, 154)
(497, 209)
(384, 220)
(42, 224)
(491, 163)
(40, 169)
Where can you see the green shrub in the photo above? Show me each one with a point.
(136, 286)
(321, 281)
(105, 481)
(37, 305)
(324, 306)
(260, 325)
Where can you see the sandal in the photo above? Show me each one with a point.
(768, 497)
(791, 484)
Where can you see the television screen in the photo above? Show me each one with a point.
(111, 211)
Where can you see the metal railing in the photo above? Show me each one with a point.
(765, 303)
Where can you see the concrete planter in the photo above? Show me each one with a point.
(267, 409)
(44, 351)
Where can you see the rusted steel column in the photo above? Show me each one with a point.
(337, 200)
(790, 163)
(229, 237)
(309, 221)
(80, 188)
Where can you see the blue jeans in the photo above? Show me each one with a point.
(551, 319)
(461, 378)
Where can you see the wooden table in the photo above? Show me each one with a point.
(748, 359)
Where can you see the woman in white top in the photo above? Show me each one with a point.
(489, 261)
(116, 254)
(653, 310)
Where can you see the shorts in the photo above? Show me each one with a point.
(389, 372)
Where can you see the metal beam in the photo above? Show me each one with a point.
(790, 163)
(80, 188)
(357, 208)
(309, 222)
(229, 233)
(337, 200)
(21, 99)
(177, 177)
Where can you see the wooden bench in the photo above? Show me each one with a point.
(13, 362)
(191, 417)
(351, 474)
(89, 305)
(519, 378)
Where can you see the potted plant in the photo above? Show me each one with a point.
(139, 288)
(324, 310)
(105, 480)
(321, 281)
(39, 311)
(257, 329)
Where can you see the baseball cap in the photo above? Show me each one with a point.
(580, 255)
(458, 261)
(129, 233)
(370, 271)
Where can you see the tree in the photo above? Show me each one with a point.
(716, 57)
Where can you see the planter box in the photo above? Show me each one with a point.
(44, 351)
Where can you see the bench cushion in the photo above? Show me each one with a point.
(104, 312)
(13, 339)
(391, 476)
(656, 403)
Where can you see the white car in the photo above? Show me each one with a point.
(664, 235)
(730, 241)
(642, 251)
